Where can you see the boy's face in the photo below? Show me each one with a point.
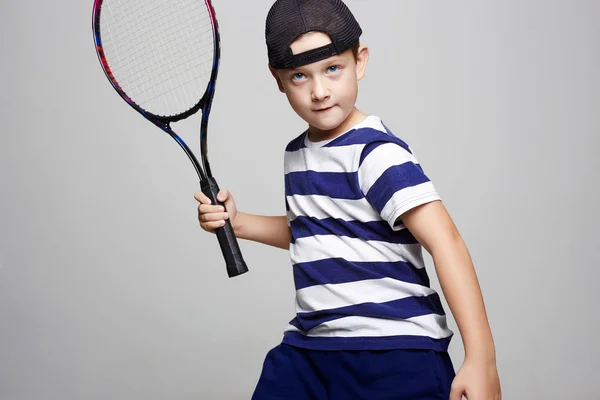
(323, 93)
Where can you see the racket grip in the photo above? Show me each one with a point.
(229, 246)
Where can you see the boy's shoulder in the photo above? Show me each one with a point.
(368, 133)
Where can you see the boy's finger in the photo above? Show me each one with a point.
(213, 217)
(456, 392)
(202, 198)
(209, 208)
(211, 226)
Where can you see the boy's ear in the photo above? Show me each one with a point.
(362, 58)
(276, 76)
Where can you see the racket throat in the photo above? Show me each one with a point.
(202, 175)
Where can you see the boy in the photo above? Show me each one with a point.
(359, 211)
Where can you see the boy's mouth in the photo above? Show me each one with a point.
(320, 110)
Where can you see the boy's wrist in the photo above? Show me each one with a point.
(237, 224)
(485, 354)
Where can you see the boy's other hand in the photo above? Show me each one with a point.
(212, 216)
(476, 380)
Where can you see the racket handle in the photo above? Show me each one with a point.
(229, 246)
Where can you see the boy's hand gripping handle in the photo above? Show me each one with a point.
(229, 245)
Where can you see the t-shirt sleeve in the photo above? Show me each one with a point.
(392, 180)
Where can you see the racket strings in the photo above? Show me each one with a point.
(174, 70)
(160, 52)
(199, 44)
(126, 16)
(136, 80)
(123, 49)
(183, 85)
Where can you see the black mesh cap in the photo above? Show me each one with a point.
(289, 19)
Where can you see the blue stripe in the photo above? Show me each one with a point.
(368, 149)
(374, 230)
(339, 270)
(365, 136)
(337, 185)
(366, 343)
(297, 143)
(409, 307)
(295, 323)
(393, 180)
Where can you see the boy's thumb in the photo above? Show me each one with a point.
(223, 195)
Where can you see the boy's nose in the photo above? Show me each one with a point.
(319, 91)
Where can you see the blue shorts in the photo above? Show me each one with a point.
(295, 373)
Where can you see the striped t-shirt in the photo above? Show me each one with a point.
(360, 277)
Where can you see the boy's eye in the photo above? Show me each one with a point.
(333, 69)
(297, 76)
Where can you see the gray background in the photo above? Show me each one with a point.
(110, 290)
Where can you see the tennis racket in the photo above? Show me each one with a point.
(162, 57)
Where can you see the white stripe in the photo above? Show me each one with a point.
(323, 297)
(324, 159)
(408, 198)
(431, 325)
(374, 122)
(379, 160)
(322, 207)
(320, 247)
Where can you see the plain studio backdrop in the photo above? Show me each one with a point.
(109, 289)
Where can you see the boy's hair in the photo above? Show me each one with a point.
(355, 50)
